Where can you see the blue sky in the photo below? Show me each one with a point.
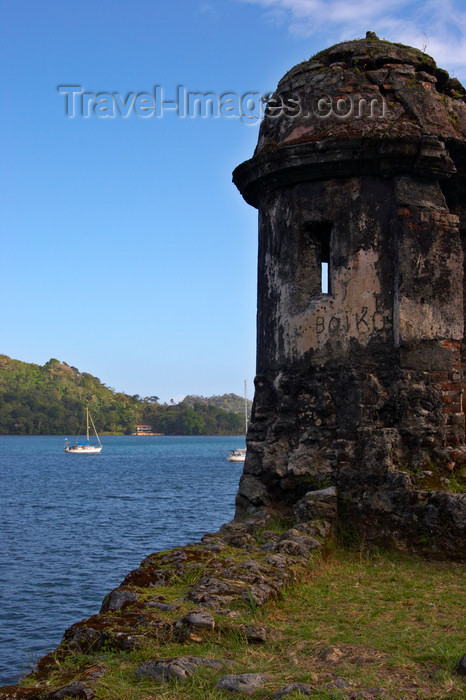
(125, 249)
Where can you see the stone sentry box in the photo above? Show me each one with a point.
(359, 178)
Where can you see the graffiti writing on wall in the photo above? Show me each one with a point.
(352, 322)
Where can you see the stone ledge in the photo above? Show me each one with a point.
(299, 162)
(244, 565)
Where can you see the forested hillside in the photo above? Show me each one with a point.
(227, 402)
(51, 399)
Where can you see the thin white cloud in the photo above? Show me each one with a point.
(438, 28)
(207, 8)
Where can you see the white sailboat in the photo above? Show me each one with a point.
(239, 454)
(84, 448)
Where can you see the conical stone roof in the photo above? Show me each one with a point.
(418, 97)
(366, 106)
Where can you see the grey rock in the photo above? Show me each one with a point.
(254, 567)
(175, 669)
(292, 534)
(302, 538)
(242, 541)
(228, 613)
(166, 670)
(297, 546)
(126, 642)
(199, 620)
(258, 594)
(447, 508)
(267, 547)
(81, 636)
(253, 490)
(255, 634)
(461, 666)
(244, 683)
(214, 592)
(73, 690)
(317, 504)
(278, 560)
(294, 549)
(117, 599)
(314, 527)
(270, 535)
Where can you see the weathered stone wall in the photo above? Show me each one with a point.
(360, 387)
(294, 316)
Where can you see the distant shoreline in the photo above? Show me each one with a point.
(65, 435)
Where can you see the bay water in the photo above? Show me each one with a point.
(72, 526)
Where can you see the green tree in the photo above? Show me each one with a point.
(51, 399)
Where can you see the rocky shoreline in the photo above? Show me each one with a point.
(244, 565)
(203, 594)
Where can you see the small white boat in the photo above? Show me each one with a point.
(84, 448)
(238, 455)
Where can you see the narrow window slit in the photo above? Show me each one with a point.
(320, 233)
(324, 277)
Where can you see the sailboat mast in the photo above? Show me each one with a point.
(87, 423)
(246, 406)
(95, 431)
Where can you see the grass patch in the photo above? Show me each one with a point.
(394, 621)
(352, 622)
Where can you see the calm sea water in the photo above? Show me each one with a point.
(73, 526)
